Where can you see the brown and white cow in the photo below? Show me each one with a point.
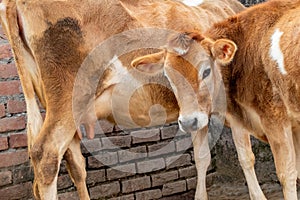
(255, 55)
(52, 39)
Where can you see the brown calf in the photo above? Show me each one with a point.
(255, 56)
(59, 45)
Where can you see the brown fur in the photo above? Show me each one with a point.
(51, 40)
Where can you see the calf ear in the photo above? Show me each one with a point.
(151, 63)
(223, 51)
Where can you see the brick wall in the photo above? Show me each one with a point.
(143, 164)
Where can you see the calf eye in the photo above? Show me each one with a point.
(206, 73)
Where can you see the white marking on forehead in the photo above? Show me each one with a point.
(275, 51)
(118, 70)
(193, 2)
(118, 65)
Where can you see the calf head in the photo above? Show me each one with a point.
(191, 62)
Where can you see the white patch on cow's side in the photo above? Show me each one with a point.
(193, 2)
(275, 51)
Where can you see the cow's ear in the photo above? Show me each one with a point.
(223, 51)
(151, 63)
(180, 43)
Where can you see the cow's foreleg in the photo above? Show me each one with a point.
(76, 167)
(281, 142)
(202, 160)
(296, 141)
(47, 152)
(246, 157)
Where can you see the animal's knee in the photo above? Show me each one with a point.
(247, 160)
(286, 177)
(45, 162)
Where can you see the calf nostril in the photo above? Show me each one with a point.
(180, 122)
(195, 123)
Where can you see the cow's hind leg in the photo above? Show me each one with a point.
(281, 142)
(202, 160)
(46, 153)
(76, 167)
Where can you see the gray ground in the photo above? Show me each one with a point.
(235, 191)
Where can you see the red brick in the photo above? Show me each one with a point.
(106, 127)
(18, 140)
(11, 124)
(13, 158)
(3, 143)
(178, 161)
(151, 135)
(23, 173)
(105, 190)
(151, 165)
(132, 154)
(173, 188)
(2, 110)
(171, 132)
(188, 172)
(126, 197)
(116, 142)
(10, 88)
(184, 144)
(5, 51)
(162, 178)
(90, 146)
(121, 171)
(94, 177)
(5, 178)
(64, 181)
(103, 159)
(161, 149)
(191, 183)
(8, 71)
(68, 196)
(21, 191)
(150, 194)
(14, 106)
(136, 184)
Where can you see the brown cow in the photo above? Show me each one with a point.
(255, 55)
(51, 40)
